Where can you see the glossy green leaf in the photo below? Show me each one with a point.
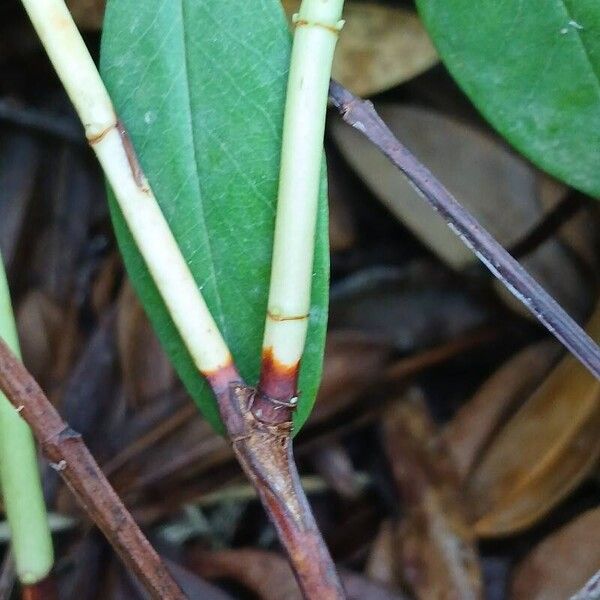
(533, 70)
(200, 85)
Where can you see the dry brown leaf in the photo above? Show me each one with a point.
(186, 451)
(342, 234)
(560, 565)
(437, 555)
(332, 461)
(473, 425)
(342, 226)
(126, 587)
(40, 323)
(577, 232)
(581, 236)
(106, 282)
(88, 14)
(591, 589)
(19, 162)
(413, 308)
(269, 576)
(147, 372)
(500, 189)
(353, 361)
(381, 564)
(544, 451)
(379, 48)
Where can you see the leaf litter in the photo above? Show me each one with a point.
(440, 419)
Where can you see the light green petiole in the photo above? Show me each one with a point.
(317, 26)
(19, 474)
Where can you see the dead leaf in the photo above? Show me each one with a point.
(576, 232)
(412, 308)
(90, 386)
(269, 576)
(194, 587)
(499, 188)
(40, 322)
(187, 451)
(379, 47)
(543, 452)
(86, 396)
(147, 372)
(381, 564)
(560, 565)
(342, 226)
(332, 461)
(106, 283)
(19, 161)
(591, 589)
(437, 554)
(342, 235)
(63, 245)
(473, 425)
(127, 587)
(353, 361)
(88, 14)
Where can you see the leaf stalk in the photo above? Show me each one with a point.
(109, 140)
(31, 540)
(317, 26)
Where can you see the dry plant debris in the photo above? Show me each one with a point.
(412, 494)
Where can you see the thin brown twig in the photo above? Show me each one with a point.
(67, 452)
(362, 115)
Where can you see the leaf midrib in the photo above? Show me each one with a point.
(190, 120)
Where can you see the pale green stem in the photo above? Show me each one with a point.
(19, 474)
(147, 224)
(317, 26)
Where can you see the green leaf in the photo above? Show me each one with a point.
(200, 85)
(533, 70)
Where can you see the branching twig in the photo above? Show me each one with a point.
(362, 115)
(66, 451)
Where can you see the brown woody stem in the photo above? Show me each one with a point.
(68, 454)
(362, 115)
(259, 428)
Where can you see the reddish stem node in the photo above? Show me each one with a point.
(276, 396)
(42, 590)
